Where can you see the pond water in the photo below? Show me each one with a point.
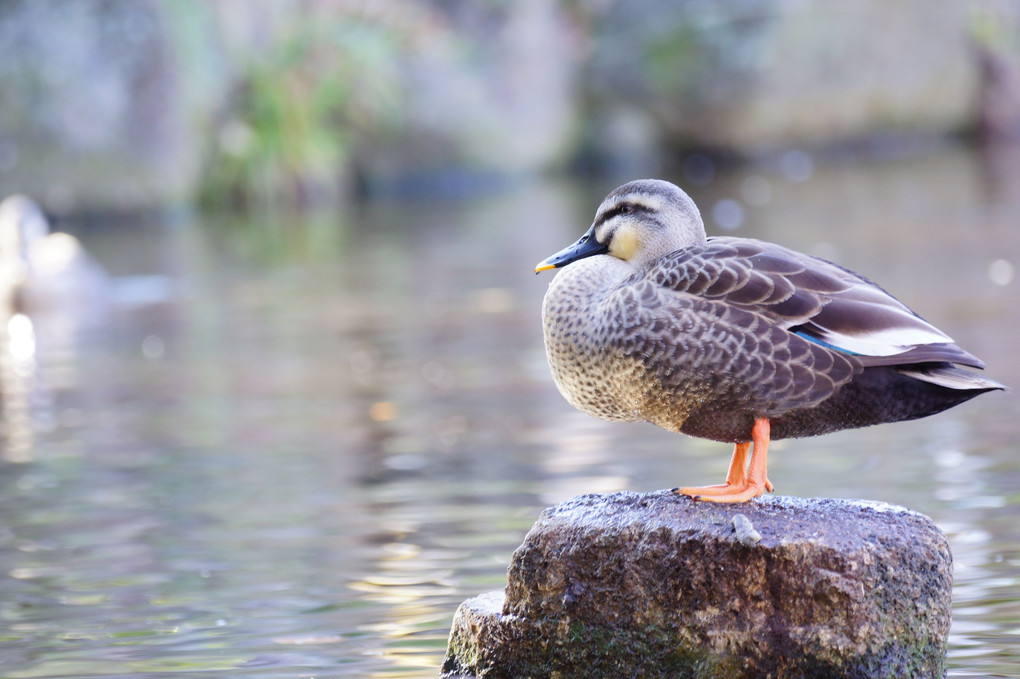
(291, 446)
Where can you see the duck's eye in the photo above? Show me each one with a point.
(626, 209)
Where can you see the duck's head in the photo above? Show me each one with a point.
(21, 223)
(638, 223)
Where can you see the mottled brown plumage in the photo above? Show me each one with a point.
(653, 321)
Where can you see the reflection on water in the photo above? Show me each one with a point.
(17, 378)
(293, 447)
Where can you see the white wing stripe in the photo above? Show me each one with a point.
(885, 342)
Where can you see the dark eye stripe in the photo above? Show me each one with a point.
(623, 209)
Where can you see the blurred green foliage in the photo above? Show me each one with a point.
(328, 81)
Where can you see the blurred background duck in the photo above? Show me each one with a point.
(734, 339)
(44, 272)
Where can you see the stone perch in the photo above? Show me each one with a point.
(658, 585)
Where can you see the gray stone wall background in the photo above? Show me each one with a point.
(122, 105)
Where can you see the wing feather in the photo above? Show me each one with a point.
(811, 297)
(734, 352)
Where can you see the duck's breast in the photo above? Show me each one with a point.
(585, 314)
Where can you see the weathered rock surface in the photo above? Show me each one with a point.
(656, 585)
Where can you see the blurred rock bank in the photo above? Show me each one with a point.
(124, 105)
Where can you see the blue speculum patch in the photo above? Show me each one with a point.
(825, 344)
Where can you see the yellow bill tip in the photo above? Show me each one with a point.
(544, 265)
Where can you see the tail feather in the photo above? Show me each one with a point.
(949, 376)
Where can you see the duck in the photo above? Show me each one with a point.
(44, 272)
(732, 339)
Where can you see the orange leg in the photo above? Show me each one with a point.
(737, 474)
(741, 485)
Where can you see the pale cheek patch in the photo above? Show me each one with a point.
(624, 244)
